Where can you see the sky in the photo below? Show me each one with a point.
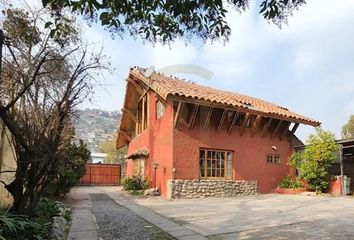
(306, 66)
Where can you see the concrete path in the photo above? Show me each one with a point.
(83, 226)
(84, 223)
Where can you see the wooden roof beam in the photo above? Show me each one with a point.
(125, 134)
(285, 131)
(276, 128)
(244, 123)
(143, 95)
(266, 127)
(138, 88)
(143, 113)
(293, 130)
(256, 125)
(207, 120)
(130, 114)
(178, 113)
(193, 116)
(233, 122)
(160, 98)
(222, 119)
(240, 109)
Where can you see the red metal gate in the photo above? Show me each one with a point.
(102, 174)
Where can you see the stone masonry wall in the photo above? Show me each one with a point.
(209, 188)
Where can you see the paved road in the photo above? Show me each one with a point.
(269, 216)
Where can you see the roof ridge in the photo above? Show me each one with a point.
(183, 80)
(171, 85)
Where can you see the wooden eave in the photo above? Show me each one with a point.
(244, 110)
(134, 90)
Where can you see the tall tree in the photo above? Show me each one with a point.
(42, 82)
(348, 129)
(166, 21)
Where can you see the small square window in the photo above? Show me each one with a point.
(273, 159)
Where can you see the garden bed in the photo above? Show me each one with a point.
(289, 190)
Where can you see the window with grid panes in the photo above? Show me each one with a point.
(138, 167)
(273, 159)
(215, 164)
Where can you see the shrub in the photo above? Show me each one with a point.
(71, 169)
(14, 226)
(37, 231)
(10, 224)
(46, 210)
(135, 184)
(314, 162)
(67, 215)
(287, 182)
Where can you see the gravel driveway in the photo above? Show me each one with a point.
(117, 222)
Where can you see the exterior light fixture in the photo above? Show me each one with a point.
(155, 165)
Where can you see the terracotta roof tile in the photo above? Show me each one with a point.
(170, 86)
(139, 153)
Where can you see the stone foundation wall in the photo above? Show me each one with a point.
(209, 188)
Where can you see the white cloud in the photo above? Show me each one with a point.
(304, 58)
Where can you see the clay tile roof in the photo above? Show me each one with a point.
(139, 153)
(170, 86)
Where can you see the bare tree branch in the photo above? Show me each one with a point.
(7, 171)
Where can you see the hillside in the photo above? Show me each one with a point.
(94, 126)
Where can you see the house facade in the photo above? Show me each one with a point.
(194, 141)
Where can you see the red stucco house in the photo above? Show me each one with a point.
(204, 141)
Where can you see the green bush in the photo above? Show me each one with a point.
(46, 210)
(10, 224)
(14, 226)
(314, 162)
(287, 182)
(36, 231)
(71, 169)
(67, 216)
(135, 184)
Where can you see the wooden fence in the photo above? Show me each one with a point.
(101, 174)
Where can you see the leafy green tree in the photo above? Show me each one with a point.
(166, 21)
(348, 129)
(69, 171)
(314, 161)
(109, 148)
